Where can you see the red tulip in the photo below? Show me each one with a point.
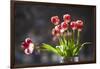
(28, 46)
(67, 17)
(56, 30)
(73, 25)
(64, 26)
(30, 49)
(79, 25)
(55, 20)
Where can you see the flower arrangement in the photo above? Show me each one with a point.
(64, 31)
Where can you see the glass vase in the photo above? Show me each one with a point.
(69, 59)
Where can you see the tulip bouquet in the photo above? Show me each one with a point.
(65, 32)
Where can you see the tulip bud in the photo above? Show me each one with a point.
(67, 18)
(79, 25)
(73, 25)
(55, 20)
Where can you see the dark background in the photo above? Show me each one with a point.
(33, 20)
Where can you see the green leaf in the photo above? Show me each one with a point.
(64, 39)
(70, 47)
(50, 48)
(61, 42)
(75, 50)
(79, 47)
(59, 50)
(84, 44)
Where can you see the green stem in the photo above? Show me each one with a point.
(73, 35)
(78, 37)
(59, 39)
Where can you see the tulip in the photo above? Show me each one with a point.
(55, 32)
(28, 46)
(67, 18)
(79, 28)
(64, 26)
(79, 25)
(73, 25)
(58, 27)
(55, 20)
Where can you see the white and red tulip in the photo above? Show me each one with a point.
(73, 25)
(64, 26)
(67, 17)
(55, 20)
(55, 31)
(79, 25)
(28, 46)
